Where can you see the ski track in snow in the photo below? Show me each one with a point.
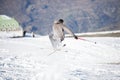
(28, 59)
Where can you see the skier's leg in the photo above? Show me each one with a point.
(54, 41)
(58, 43)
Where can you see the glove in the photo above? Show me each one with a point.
(75, 37)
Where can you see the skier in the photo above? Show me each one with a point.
(24, 33)
(33, 35)
(58, 35)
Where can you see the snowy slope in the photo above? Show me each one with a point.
(27, 59)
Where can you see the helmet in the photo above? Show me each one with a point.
(61, 20)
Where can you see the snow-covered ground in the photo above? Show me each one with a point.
(28, 59)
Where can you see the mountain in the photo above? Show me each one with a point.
(79, 15)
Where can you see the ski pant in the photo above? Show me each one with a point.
(56, 42)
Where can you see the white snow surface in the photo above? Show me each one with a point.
(28, 59)
(4, 17)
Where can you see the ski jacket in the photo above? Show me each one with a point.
(58, 31)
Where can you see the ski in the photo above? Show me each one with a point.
(57, 50)
(52, 52)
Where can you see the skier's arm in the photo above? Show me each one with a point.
(69, 31)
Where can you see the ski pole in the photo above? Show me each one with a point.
(86, 40)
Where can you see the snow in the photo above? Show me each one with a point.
(102, 32)
(7, 34)
(4, 17)
(96, 33)
(28, 59)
